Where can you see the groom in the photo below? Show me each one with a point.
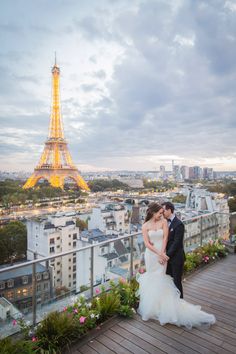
(175, 246)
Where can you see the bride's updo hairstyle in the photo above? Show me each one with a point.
(152, 209)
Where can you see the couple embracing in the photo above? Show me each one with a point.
(160, 287)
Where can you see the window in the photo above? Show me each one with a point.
(25, 280)
(69, 235)
(69, 243)
(10, 295)
(45, 286)
(38, 276)
(69, 268)
(52, 250)
(45, 275)
(25, 292)
(38, 287)
(2, 285)
(74, 260)
(69, 259)
(58, 263)
(10, 283)
(74, 244)
(69, 275)
(69, 285)
(58, 238)
(58, 272)
(52, 241)
(74, 276)
(74, 268)
(74, 236)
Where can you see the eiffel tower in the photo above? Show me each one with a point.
(56, 163)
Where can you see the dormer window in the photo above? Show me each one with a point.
(25, 280)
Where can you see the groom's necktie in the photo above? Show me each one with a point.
(169, 222)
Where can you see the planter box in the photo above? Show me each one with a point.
(231, 247)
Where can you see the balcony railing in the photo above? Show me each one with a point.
(41, 296)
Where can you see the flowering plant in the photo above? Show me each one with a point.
(204, 254)
(58, 329)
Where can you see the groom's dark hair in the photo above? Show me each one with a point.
(168, 206)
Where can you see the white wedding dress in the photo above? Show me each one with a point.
(159, 297)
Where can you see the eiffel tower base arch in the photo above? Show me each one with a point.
(56, 178)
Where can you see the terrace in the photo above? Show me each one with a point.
(213, 288)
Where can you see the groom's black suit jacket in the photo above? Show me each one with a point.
(175, 244)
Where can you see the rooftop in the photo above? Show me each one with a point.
(20, 272)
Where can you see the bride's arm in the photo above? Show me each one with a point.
(165, 236)
(147, 242)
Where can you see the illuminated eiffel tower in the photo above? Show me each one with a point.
(56, 163)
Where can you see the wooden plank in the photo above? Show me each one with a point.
(229, 347)
(99, 347)
(85, 349)
(108, 342)
(147, 346)
(96, 332)
(215, 303)
(127, 343)
(154, 328)
(168, 344)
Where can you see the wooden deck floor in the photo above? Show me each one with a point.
(214, 288)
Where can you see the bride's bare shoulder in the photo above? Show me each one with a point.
(145, 226)
(164, 221)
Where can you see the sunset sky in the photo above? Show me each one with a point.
(142, 82)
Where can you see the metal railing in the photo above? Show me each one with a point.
(202, 232)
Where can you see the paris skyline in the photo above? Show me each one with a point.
(142, 83)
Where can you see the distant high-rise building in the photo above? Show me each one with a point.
(177, 173)
(191, 173)
(184, 172)
(162, 171)
(208, 173)
(197, 171)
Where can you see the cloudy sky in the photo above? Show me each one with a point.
(142, 82)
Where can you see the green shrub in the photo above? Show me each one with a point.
(7, 346)
(56, 331)
(107, 304)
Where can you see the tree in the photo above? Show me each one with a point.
(100, 185)
(180, 198)
(13, 241)
(232, 204)
(81, 224)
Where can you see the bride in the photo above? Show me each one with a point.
(159, 297)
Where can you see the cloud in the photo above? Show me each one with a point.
(141, 82)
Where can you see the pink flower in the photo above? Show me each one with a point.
(64, 309)
(34, 339)
(82, 319)
(122, 280)
(14, 322)
(141, 270)
(97, 291)
(75, 311)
